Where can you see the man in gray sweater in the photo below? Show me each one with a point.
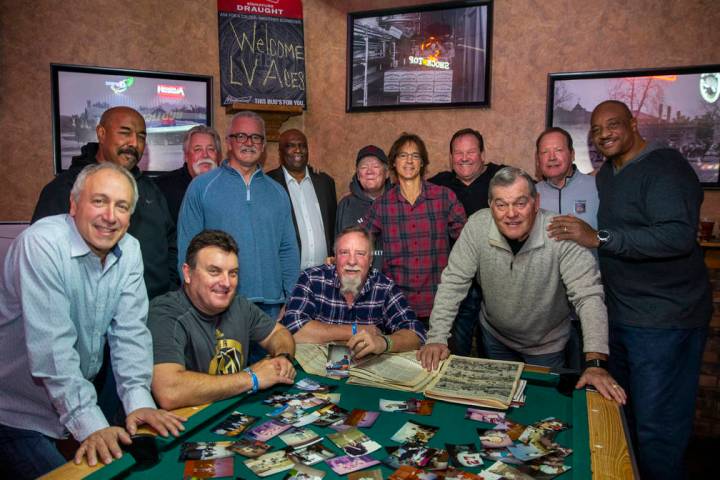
(528, 283)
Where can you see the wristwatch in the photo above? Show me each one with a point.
(603, 236)
(596, 362)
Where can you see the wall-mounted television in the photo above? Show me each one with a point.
(434, 55)
(170, 103)
(678, 107)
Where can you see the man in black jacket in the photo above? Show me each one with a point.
(121, 139)
(313, 198)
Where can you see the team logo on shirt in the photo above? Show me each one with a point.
(580, 206)
(228, 357)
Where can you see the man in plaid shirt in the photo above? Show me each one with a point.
(352, 302)
(417, 221)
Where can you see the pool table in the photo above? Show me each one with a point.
(597, 436)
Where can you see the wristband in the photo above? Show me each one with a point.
(354, 328)
(596, 363)
(388, 343)
(253, 377)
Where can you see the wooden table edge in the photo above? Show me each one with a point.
(610, 455)
(71, 471)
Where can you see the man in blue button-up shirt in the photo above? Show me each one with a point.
(69, 284)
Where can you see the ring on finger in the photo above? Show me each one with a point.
(565, 228)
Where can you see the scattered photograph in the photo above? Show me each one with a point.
(361, 418)
(420, 407)
(305, 400)
(439, 460)
(216, 468)
(303, 472)
(205, 450)
(269, 464)
(234, 425)
(407, 472)
(299, 437)
(506, 471)
(311, 385)
(464, 455)
(354, 442)
(500, 455)
(311, 454)
(339, 360)
(330, 415)
(347, 464)
(414, 432)
(393, 405)
(455, 474)
(525, 453)
(413, 454)
(494, 438)
(374, 474)
(513, 429)
(266, 431)
(288, 414)
(486, 416)
(250, 448)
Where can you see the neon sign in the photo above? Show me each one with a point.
(429, 62)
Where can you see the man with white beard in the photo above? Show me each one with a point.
(352, 302)
(202, 152)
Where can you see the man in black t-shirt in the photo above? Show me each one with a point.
(201, 332)
(469, 180)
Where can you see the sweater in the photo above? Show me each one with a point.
(652, 266)
(578, 197)
(527, 296)
(258, 216)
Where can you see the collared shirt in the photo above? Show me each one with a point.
(578, 196)
(416, 239)
(313, 247)
(380, 302)
(58, 306)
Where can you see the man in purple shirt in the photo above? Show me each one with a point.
(350, 301)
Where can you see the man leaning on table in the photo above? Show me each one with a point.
(71, 283)
(352, 302)
(201, 332)
(528, 281)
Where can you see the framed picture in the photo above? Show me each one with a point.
(420, 57)
(171, 104)
(678, 107)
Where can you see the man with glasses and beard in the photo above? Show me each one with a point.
(240, 199)
(121, 140)
(352, 302)
(202, 152)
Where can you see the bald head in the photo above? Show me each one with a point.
(121, 136)
(293, 151)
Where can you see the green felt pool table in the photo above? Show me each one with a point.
(597, 436)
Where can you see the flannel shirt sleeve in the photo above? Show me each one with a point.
(301, 307)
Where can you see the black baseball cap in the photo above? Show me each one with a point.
(371, 151)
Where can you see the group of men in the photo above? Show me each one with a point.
(479, 257)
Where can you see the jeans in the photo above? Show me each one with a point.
(659, 368)
(256, 352)
(27, 454)
(465, 327)
(496, 350)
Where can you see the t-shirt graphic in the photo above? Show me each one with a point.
(228, 356)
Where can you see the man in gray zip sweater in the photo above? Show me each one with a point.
(528, 282)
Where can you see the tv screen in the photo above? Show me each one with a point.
(425, 56)
(678, 107)
(170, 103)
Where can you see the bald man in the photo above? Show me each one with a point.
(121, 137)
(313, 199)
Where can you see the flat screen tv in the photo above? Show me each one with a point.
(678, 107)
(435, 55)
(171, 104)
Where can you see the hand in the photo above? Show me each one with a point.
(104, 443)
(271, 371)
(603, 383)
(367, 341)
(567, 227)
(329, 260)
(431, 354)
(162, 421)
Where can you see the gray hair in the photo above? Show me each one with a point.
(507, 176)
(90, 170)
(206, 130)
(355, 229)
(247, 114)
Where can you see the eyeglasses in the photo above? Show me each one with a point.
(242, 137)
(409, 156)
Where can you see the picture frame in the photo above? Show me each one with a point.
(424, 56)
(675, 106)
(170, 103)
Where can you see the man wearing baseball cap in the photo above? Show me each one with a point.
(369, 182)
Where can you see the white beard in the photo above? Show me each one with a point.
(350, 285)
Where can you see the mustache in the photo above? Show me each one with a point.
(129, 151)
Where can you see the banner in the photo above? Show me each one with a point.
(262, 52)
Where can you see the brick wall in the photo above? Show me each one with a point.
(707, 412)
